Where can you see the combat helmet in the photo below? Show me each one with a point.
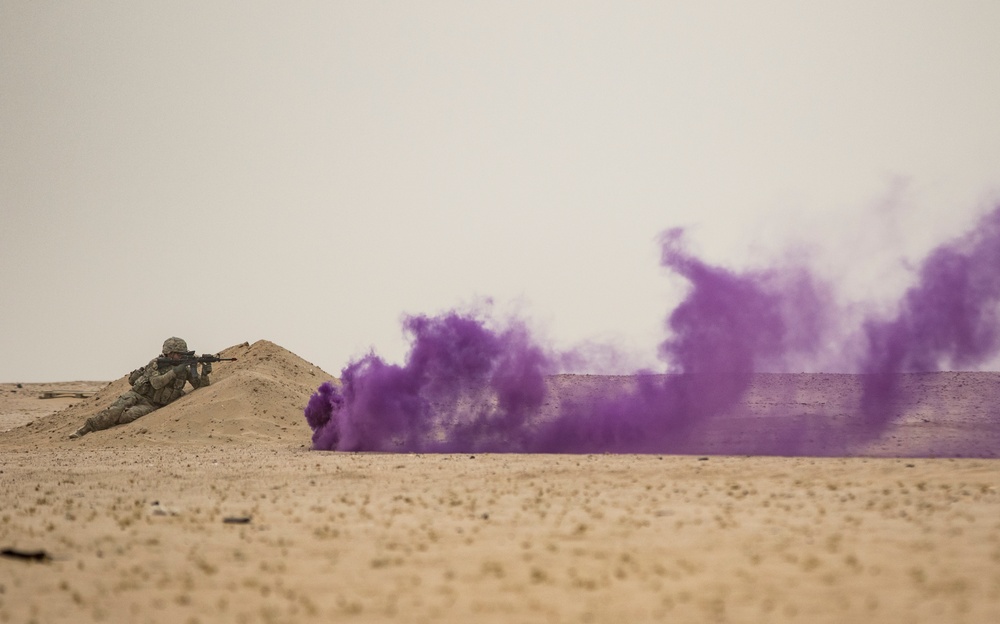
(174, 345)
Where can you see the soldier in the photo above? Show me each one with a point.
(153, 386)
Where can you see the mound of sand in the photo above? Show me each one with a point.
(256, 399)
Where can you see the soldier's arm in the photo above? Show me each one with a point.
(202, 380)
(160, 377)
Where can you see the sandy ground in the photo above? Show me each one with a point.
(22, 403)
(215, 510)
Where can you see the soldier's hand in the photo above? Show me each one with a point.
(206, 368)
(180, 370)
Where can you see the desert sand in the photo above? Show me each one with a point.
(214, 509)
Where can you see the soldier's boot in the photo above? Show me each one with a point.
(82, 431)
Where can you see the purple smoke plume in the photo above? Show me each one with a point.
(948, 319)
(463, 386)
(467, 386)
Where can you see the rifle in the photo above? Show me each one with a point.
(190, 359)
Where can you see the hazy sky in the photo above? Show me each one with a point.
(308, 172)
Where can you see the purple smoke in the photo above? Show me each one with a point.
(468, 386)
(464, 386)
(948, 319)
(729, 325)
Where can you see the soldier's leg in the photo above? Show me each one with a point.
(134, 412)
(110, 416)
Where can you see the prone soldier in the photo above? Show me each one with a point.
(154, 385)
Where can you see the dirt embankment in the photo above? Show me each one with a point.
(259, 397)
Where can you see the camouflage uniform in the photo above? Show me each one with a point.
(153, 386)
